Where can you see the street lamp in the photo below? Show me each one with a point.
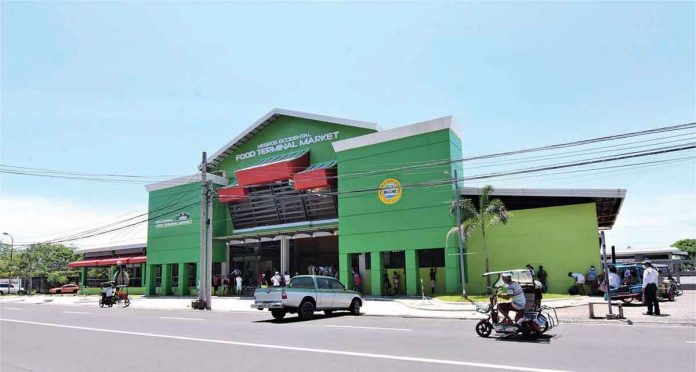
(11, 244)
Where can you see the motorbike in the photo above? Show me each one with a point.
(535, 320)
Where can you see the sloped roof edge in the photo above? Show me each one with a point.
(271, 116)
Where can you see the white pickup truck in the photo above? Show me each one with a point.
(306, 294)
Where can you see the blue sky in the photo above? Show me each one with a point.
(144, 88)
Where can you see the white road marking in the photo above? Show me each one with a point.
(294, 348)
(77, 312)
(634, 325)
(691, 342)
(175, 318)
(10, 308)
(378, 328)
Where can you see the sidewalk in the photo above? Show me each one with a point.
(573, 310)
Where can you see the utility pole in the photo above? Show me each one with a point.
(203, 281)
(605, 271)
(460, 234)
(209, 244)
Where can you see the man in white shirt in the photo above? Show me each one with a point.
(579, 282)
(614, 279)
(238, 281)
(276, 279)
(650, 278)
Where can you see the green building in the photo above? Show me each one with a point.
(296, 190)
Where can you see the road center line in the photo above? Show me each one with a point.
(378, 328)
(175, 318)
(77, 312)
(293, 348)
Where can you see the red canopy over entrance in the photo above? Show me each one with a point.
(276, 168)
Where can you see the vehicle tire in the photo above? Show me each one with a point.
(355, 307)
(278, 314)
(627, 300)
(670, 295)
(126, 302)
(678, 291)
(527, 331)
(306, 310)
(328, 312)
(484, 328)
(2, 293)
(101, 303)
(21, 293)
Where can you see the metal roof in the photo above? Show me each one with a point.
(111, 248)
(608, 201)
(322, 165)
(272, 116)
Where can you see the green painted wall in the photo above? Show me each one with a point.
(562, 239)
(419, 220)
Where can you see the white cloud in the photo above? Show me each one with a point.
(38, 218)
(654, 221)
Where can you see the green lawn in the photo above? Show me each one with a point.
(458, 298)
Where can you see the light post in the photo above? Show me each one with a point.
(11, 245)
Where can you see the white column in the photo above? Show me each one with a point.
(284, 254)
(361, 264)
(225, 267)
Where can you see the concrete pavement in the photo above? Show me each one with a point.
(50, 338)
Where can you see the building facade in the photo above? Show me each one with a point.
(298, 190)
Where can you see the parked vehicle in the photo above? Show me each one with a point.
(68, 288)
(535, 320)
(306, 294)
(6, 288)
(631, 288)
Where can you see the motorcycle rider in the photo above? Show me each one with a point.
(516, 294)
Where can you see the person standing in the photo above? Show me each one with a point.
(650, 278)
(238, 279)
(432, 280)
(225, 285)
(287, 278)
(387, 283)
(276, 279)
(542, 275)
(357, 281)
(531, 270)
(396, 283)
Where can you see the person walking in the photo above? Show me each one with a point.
(542, 275)
(432, 280)
(650, 278)
(579, 282)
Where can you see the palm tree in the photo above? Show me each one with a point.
(489, 213)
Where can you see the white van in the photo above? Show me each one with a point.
(6, 288)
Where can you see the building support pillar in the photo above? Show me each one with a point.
(284, 255)
(411, 271)
(182, 288)
(226, 265)
(453, 278)
(166, 289)
(376, 268)
(344, 270)
(150, 288)
(143, 282)
(83, 277)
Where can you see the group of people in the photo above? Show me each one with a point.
(273, 280)
(540, 275)
(324, 270)
(231, 284)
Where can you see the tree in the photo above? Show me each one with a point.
(489, 213)
(56, 279)
(686, 245)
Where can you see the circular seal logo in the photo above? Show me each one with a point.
(389, 191)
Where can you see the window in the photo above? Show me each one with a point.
(335, 284)
(431, 257)
(323, 283)
(305, 282)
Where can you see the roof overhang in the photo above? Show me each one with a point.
(272, 116)
(608, 201)
(222, 181)
(434, 125)
(112, 248)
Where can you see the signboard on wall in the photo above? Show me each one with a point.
(282, 144)
(183, 218)
(390, 191)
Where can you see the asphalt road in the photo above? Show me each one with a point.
(63, 338)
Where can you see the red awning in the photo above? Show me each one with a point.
(112, 261)
(232, 194)
(321, 175)
(84, 263)
(137, 259)
(276, 168)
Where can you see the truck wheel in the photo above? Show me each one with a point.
(278, 314)
(306, 310)
(355, 307)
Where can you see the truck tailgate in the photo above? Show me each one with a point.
(268, 297)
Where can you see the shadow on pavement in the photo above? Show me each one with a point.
(542, 339)
(293, 318)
